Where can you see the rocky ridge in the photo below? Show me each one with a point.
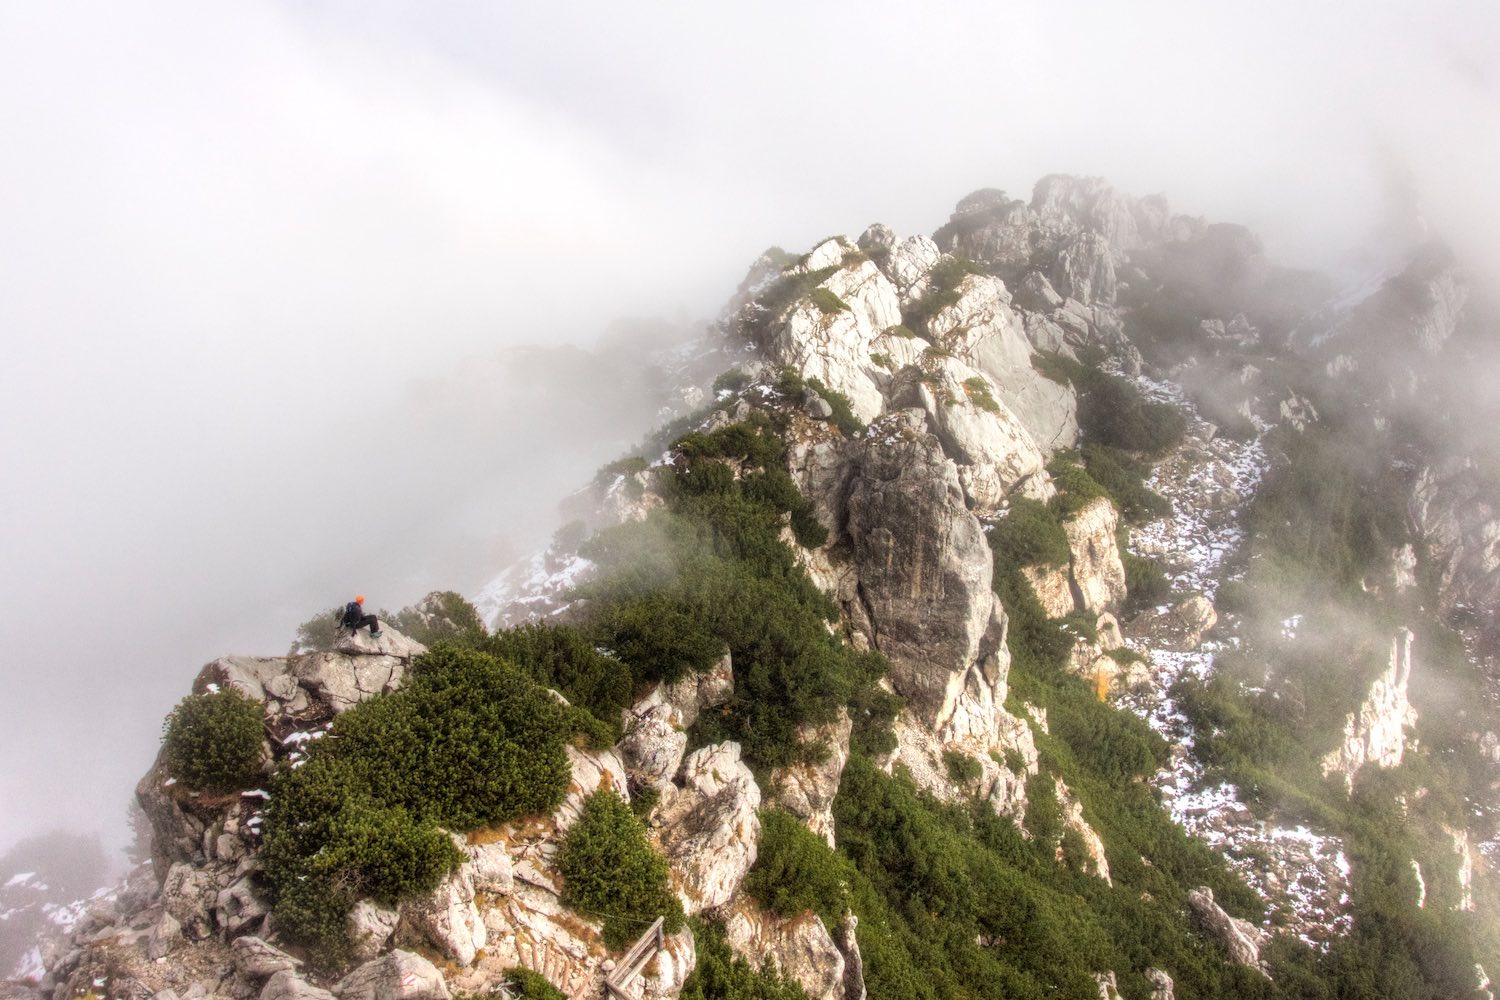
(959, 423)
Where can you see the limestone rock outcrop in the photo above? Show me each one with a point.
(1242, 938)
(1376, 734)
(806, 790)
(708, 826)
(982, 330)
(400, 975)
(924, 571)
(799, 947)
(1098, 575)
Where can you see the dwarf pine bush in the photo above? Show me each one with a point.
(211, 742)
(610, 871)
(470, 741)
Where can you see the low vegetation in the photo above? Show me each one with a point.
(610, 872)
(469, 741)
(211, 742)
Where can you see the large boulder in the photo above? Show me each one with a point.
(982, 330)
(400, 975)
(341, 680)
(835, 347)
(256, 959)
(1098, 574)
(806, 790)
(448, 919)
(287, 985)
(1242, 938)
(993, 450)
(369, 926)
(708, 826)
(925, 572)
(799, 947)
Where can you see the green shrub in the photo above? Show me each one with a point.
(1123, 477)
(961, 768)
(795, 870)
(789, 288)
(843, 413)
(789, 383)
(1030, 534)
(827, 302)
(1112, 411)
(882, 360)
(561, 657)
(319, 633)
(942, 290)
(443, 616)
(1075, 487)
(978, 391)
(711, 574)
(330, 841)
(469, 741)
(211, 742)
(732, 380)
(527, 985)
(904, 332)
(1146, 583)
(610, 872)
(721, 974)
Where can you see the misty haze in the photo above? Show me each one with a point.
(1045, 457)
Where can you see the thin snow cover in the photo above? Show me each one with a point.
(1298, 871)
(1289, 627)
(20, 877)
(30, 969)
(531, 587)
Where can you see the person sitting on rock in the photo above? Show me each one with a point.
(355, 618)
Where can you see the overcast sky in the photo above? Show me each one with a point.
(243, 248)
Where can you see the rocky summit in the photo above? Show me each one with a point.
(1067, 602)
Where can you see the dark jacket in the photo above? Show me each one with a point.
(353, 614)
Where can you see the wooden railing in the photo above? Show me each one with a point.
(616, 983)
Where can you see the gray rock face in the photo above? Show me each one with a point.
(807, 790)
(909, 262)
(342, 680)
(994, 452)
(854, 963)
(189, 895)
(1162, 987)
(1376, 734)
(490, 868)
(401, 975)
(708, 827)
(877, 237)
(1096, 570)
(835, 347)
(924, 578)
(1037, 294)
(448, 918)
(1458, 525)
(984, 332)
(1242, 938)
(238, 908)
(256, 959)
(370, 926)
(1085, 270)
(285, 985)
(799, 947)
